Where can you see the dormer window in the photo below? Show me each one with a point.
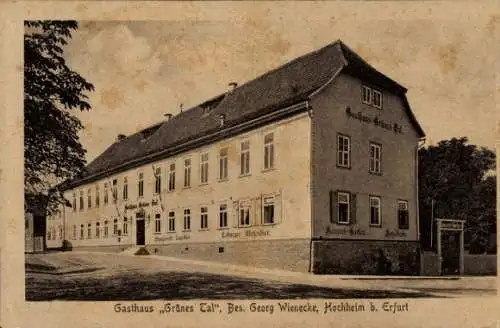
(222, 120)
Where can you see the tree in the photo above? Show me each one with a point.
(52, 149)
(453, 183)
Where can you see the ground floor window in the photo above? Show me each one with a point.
(187, 219)
(375, 211)
(115, 227)
(74, 232)
(403, 217)
(244, 219)
(171, 221)
(97, 231)
(105, 229)
(223, 216)
(157, 223)
(81, 231)
(89, 231)
(343, 207)
(204, 217)
(269, 210)
(125, 226)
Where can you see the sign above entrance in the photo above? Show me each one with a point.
(450, 224)
(375, 121)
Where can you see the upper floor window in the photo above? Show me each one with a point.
(223, 216)
(89, 198)
(171, 177)
(403, 216)
(157, 223)
(125, 188)
(377, 99)
(375, 158)
(74, 202)
(343, 151)
(204, 217)
(375, 211)
(171, 221)
(223, 164)
(81, 200)
(140, 185)
(105, 193)
(187, 172)
(343, 207)
(245, 158)
(366, 94)
(187, 219)
(371, 96)
(97, 200)
(157, 180)
(115, 190)
(204, 168)
(269, 151)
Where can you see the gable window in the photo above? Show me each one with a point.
(244, 215)
(97, 230)
(366, 94)
(81, 200)
(403, 216)
(106, 229)
(343, 207)
(187, 219)
(223, 164)
(74, 202)
(125, 226)
(125, 188)
(375, 219)
(157, 223)
(140, 185)
(223, 216)
(89, 231)
(187, 172)
(268, 210)
(105, 193)
(268, 151)
(245, 158)
(157, 180)
(171, 221)
(115, 190)
(375, 158)
(81, 231)
(97, 200)
(377, 99)
(171, 177)
(89, 198)
(204, 217)
(204, 168)
(343, 151)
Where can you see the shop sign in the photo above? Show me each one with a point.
(351, 231)
(246, 233)
(394, 233)
(172, 237)
(375, 121)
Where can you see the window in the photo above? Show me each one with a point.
(268, 210)
(204, 217)
(377, 99)
(81, 200)
(97, 230)
(140, 185)
(157, 223)
(49, 232)
(343, 201)
(204, 168)
(223, 216)
(89, 231)
(171, 221)
(171, 177)
(268, 151)
(74, 202)
(343, 151)
(105, 229)
(375, 156)
(244, 215)
(125, 226)
(97, 200)
(60, 232)
(366, 94)
(245, 158)
(187, 219)
(105, 193)
(81, 231)
(74, 232)
(403, 216)
(187, 172)
(115, 191)
(125, 188)
(115, 227)
(158, 180)
(89, 198)
(375, 211)
(223, 164)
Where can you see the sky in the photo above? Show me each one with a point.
(144, 69)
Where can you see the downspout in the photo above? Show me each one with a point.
(311, 252)
(420, 144)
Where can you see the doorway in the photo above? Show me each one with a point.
(450, 264)
(140, 232)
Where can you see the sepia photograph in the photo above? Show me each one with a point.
(260, 163)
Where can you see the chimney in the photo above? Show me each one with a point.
(233, 86)
(182, 105)
(168, 116)
(222, 120)
(120, 137)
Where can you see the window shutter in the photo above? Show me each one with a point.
(259, 220)
(333, 207)
(278, 203)
(353, 209)
(234, 214)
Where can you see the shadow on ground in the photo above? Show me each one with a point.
(183, 286)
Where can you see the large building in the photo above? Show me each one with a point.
(309, 167)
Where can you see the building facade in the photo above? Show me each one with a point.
(309, 167)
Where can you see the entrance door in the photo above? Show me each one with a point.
(140, 233)
(450, 252)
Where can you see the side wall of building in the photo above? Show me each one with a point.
(338, 110)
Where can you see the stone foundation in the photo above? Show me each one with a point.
(364, 257)
(105, 249)
(290, 254)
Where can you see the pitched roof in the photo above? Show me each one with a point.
(283, 86)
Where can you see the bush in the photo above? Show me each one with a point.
(66, 246)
